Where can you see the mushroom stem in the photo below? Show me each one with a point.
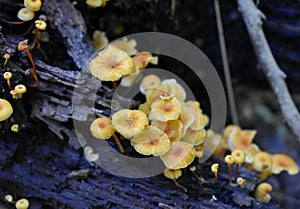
(263, 175)
(236, 172)
(36, 39)
(12, 22)
(115, 85)
(33, 69)
(117, 140)
(180, 186)
(229, 173)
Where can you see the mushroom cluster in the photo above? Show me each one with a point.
(165, 125)
(245, 152)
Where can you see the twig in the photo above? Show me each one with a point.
(232, 104)
(253, 19)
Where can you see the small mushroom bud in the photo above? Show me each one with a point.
(9, 198)
(25, 14)
(240, 181)
(6, 57)
(20, 90)
(40, 24)
(214, 168)
(22, 204)
(229, 160)
(15, 128)
(7, 76)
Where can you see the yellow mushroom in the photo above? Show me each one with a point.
(40, 24)
(9, 198)
(240, 181)
(99, 39)
(5, 109)
(214, 168)
(111, 64)
(102, 128)
(229, 160)
(149, 82)
(22, 204)
(129, 122)
(262, 161)
(163, 91)
(194, 137)
(281, 162)
(180, 155)
(173, 128)
(145, 107)
(33, 5)
(186, 118)
(15, 128)
(239, 158)
(126, 45)
(152, 141)
(6, 57)
(180, 93)
(20, 90)
(262, 192)
(142, 59)
(199, 119)
(164, 110)
(94, 3)
(7, 76)
(174, 174)
(25, 14)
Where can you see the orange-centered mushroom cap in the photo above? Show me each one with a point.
(5, 109)
(283, 162)
(164, 110)
(129, 122)
(149, 82)
(180, 155)
(152, 141)
(142, 59)
(262, 161)
(111, 64)
(173, 128)
(163, 91)
(102, 128)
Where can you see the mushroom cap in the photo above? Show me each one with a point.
(15, 128)
(145, 107)
(7, 75)
(129, 122)
(40, 24)
(33, 5)
(239, 156)
(199, 150)
(180, 93)
(187, 118)
(180, 155)
(172, 173)
(94, 3)
(262, 192)
(229, 159)
(194, 137)
(20, 89)
(111, 64)
(241, 139)
(262, 161)
(142, 59)
(214, 167)
(23, 45)
(163, 91)
(101, 128)
(164, 110)
(199, 119)
(22, 204)
(99, 39)
(173, 128)
(151, 141)
(229, 129)
(283, 162)
(25, 14)
(148, 82)
(5, 109)
(125, 45)
(215, 143)
(240, 180)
